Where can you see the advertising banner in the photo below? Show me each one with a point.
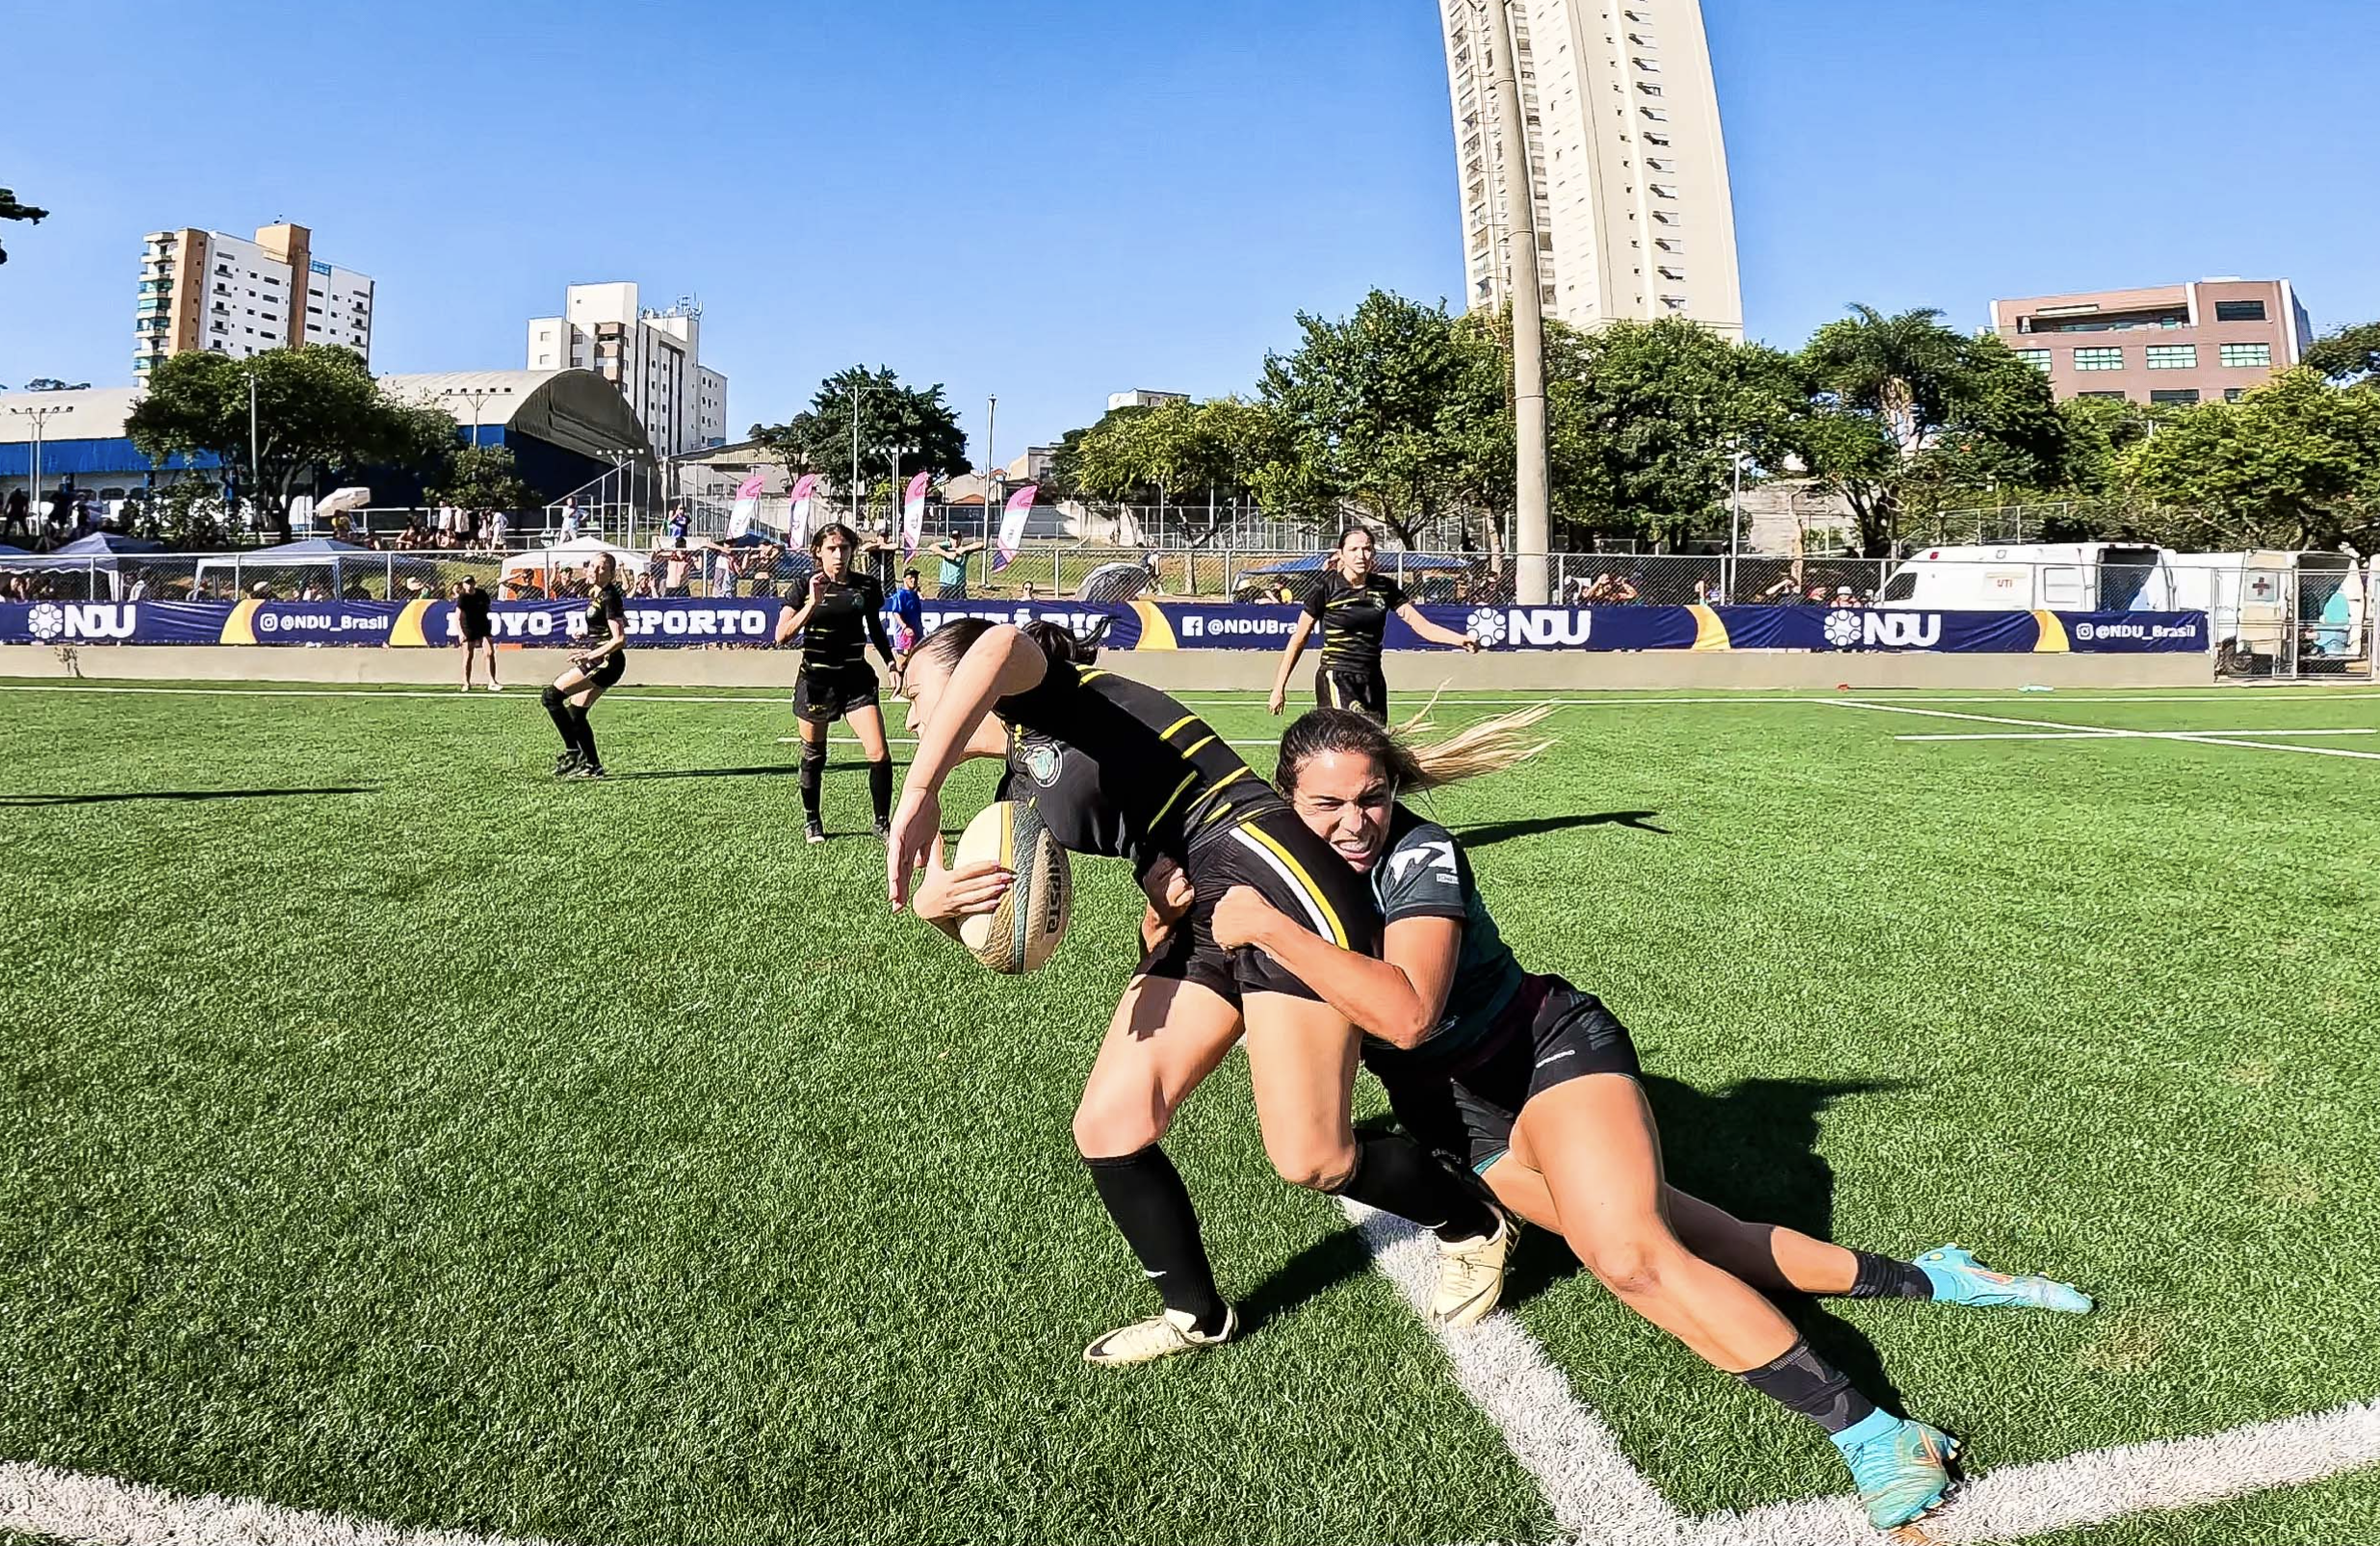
(1140, 625)
(1012, 526)
(797, 522)
(913, 513)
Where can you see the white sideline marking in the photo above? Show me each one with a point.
(2122, 734)
(2102, 732)
(1599, 1497)
(102, 1511)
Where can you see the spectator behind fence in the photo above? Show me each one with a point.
(20, 514)
(1842, 597)
(678, 525)
(676, 570)
(954, 556)
(907, 610)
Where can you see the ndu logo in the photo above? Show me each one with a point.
(1523, 627)
(81, 620)
(1848, 629)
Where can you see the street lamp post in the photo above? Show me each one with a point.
(859, 392)
(475, 396)
(991, 466)
(1735, 520)
(40, 417)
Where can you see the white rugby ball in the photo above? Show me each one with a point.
(1031, 919)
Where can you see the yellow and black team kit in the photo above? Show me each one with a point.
(605, 606)
(836, 676)
(1355, 620)
(1118, 768)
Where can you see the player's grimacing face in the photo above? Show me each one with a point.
(1345, 798)
(834, 558)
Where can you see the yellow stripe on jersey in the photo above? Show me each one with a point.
(1315, 898)
(1196, 747)
(1167, 733)
(1180, 790)
(1217, 815)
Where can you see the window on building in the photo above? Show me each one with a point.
(2173, 357)
(2175, 397)
(2105, 396)
(2233, 393)
(1652, 139)
(2099, 359)
(1650, 88)
(2038, 358)
(1663, 190)
(1657, 114)
(2240, 356)
(2239, 311)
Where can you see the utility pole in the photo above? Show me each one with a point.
(39, 416)
(990, 424)
(256, 456)
(1533, 523)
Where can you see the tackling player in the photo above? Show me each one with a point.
(1120, 769)
(843, 613)
(593, 671)
(1537, 1085)
(1353, 603)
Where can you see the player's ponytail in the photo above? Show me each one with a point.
(1490, 746)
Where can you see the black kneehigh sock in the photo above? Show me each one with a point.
(880, 790)
(1802, 1380)
(586, 733)
(559, 706)
(1884, 1278)
(813, 775)
(1397, 1176)
(1145, 1196)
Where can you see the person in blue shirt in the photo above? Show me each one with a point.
(679, 526)
(908, 607)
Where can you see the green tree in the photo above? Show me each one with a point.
(914, 422)
(483, 478)
(2349, 353)
(1909, 418)
(2296, 464)
(11, 209)
(318, 413)
(1195, 455)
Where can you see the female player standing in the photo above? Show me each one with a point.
(1536, 1084)
(1118, 768)
(844, 612)
(1353, 603)
(593, 672)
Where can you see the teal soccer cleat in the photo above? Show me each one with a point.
(1902, 1468)
(1958, 1279)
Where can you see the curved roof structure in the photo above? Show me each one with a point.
(575, 411)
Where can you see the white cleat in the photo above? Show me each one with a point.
(1159, 1337)
(1471, 1275)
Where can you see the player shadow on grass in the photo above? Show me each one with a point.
(1488, 834)
(1751, 1148)
(777, 770)
(7, 800)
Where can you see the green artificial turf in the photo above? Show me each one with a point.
(398, 1133)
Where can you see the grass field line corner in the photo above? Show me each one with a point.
(1598, 1496)
(90, 1510)
(2100, 732)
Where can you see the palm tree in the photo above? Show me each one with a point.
(1898, 368)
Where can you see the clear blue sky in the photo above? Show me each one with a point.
(1052, 199)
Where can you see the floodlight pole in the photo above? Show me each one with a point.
(40, 417)
(1533, 512)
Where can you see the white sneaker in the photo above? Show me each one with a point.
(1165, 1334)
(1471, 1275)
(495, 686)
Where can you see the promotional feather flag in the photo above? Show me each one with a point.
(747, 505)
(805, 497)
(913, 513)
(1011, 525)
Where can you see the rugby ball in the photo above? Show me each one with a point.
(1026, 929)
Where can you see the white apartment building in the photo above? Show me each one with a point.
(654, 356)
(1634, 214)
(209, 290)
(1143, 398)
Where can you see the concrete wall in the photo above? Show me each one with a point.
(1410, 672)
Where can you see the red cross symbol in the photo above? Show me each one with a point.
(2262, 587)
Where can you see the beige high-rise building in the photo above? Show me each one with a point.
(1634, 213)
(210, 289)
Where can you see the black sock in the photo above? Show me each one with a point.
(1145, 1196)
(1802, 1380)
(559, 706)
(880, 790)
(1397, 1176)
(813, 775)
(1884, 1278)
(587, 735)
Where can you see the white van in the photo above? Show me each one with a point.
(2067, 577)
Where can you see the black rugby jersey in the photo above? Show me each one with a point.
(848, 616)
(1116, 769)
(1424, 873)
(604, 605)
(1354, 618)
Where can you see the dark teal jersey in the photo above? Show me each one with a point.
(1425, 874)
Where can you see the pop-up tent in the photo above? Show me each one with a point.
(286, 567)
(94, 557)
(539, 564)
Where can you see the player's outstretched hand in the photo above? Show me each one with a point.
(916, 827)
(1242, 918)
(1470, 646)
(946, 895)
(1279, 697)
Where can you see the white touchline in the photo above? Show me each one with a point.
(91, 1510)
(2102, 732)
(1598, 1495)
(2121, 735)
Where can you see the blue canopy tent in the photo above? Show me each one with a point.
(284, 566)
(1406, 568)
(91, 556)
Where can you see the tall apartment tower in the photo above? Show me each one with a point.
(1626, 159)
(654, 356)
(209, 290)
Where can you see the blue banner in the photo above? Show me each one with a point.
(748, 622)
